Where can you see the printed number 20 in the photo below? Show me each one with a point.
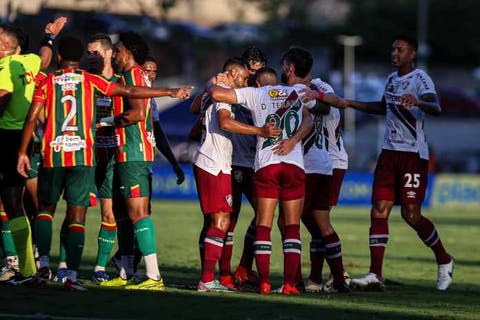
(71, 114)
(413, 180)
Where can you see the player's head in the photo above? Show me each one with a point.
(70, 49)
(131, 50)
(238, 71)
(265, 77)
(296, 63)
(100, 52)
(404, 51)
(150, 67)
(255, 59)
(11, 40)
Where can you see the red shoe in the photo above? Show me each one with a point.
(227, 281)
(243, 275)
(265, 288)
(289, 289)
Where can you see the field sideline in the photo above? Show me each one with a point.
(409, 268)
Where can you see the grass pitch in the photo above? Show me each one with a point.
(409, 268)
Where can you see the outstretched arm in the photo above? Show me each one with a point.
(146, 92)
(377, 107)
(428, 103)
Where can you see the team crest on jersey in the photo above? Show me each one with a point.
(277, 93)
(404, 85)
(68, 81)
(68, 143)
(229, 199)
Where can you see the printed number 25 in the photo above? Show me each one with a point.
(413, 180)
(71, 114)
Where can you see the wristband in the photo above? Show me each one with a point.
(106, 122)
(320, 95)
(47, 40)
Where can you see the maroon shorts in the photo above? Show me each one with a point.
(337, 180)
(400, 177)
(214, 192)
(317, 192)
(283, 181)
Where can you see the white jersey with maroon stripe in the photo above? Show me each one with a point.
(332, 131)
(282, 106)
(404, 127)
(214, 154)
(244, 145)
(315, 156)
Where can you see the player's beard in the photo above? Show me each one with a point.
(284, 78)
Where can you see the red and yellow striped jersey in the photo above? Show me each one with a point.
(135, 142)
(69, 107)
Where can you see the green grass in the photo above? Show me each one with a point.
(409, 267)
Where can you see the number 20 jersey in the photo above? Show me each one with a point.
(68, 99)
(282, 106)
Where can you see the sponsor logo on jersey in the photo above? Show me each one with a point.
(68, 81)
(411, 194)
(68, 143)
(404, 85)
(277, 94)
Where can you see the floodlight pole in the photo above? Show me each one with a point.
(349, 43)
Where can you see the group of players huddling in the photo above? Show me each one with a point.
(94, 132)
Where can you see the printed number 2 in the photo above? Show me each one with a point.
(71, 114)
(413, 180)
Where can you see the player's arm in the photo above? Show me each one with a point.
(227, 123)
(23, 164)
(46, 50)
(330, 99)
(428, 103)
(377, 107)
(196, 104)
(135, 114)
(320, 108)
(163, 146)
(286, 146)
(146, 92)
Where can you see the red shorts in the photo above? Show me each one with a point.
(400, 177)
(214, 192)
(337, 179)
(283, 181)
(317, 192)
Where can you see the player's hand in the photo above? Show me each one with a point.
(182, 93)
(180, 175)
(308, 94)
(284, 147)
(224, 79)
(23, 165)
(270, 131)
(408, 101)
(56, 26)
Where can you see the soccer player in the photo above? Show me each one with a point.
(66, 96)
(279, 173)
(243, 157)
(401, 172)
(212, 169)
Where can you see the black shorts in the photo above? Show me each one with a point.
(9, 177)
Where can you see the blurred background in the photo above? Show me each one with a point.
(350, 41)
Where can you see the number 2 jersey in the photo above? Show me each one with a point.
(404, 127)
(69, 106)
(282, 106)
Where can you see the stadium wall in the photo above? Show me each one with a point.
(444, 190)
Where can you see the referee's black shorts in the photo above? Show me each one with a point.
(10, 143)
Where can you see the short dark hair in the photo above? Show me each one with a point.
(70, 48)
(301, 59)
(134, 43)
(265, 70)
(150, 59)
(19, 34)
(412, 41)
(234, 62)
(253, 54)
(103, 38)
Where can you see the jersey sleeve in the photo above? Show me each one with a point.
(322, 86)
(424, 84)
(247, 97)
(223, 106)
(6, 82)
(40, 94)
(102, 85)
